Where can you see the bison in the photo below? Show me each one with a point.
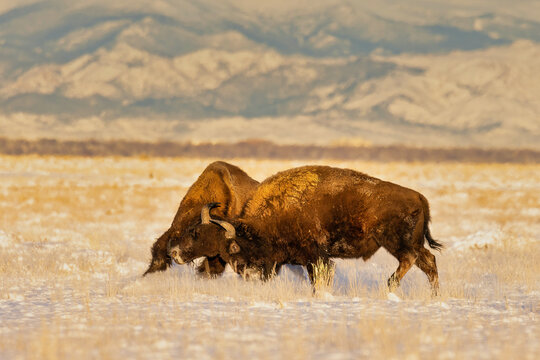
(221, 182)
(313, 213)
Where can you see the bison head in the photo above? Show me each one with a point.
(249, 256)
(236, 244)
(202, 239)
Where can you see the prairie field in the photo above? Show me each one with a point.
(75, 237)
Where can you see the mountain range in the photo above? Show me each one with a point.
(323, 72)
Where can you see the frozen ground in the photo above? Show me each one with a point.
(75, 236)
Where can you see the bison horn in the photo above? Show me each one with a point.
(230, 231)
(205, 212)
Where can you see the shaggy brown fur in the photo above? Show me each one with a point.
(312, 213)
(221, 182)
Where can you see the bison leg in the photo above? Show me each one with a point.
(406, 261)
(310, 272)
(270, 270)
(321, 274)
(212, 267)
(160, 259)
(426, 263)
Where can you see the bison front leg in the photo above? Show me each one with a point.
(406, 261)
(160, 259)
(212, 267)
(321, 274)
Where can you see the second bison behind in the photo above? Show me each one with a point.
(313, 213)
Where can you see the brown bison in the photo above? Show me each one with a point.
(221, 182)
(314, 213)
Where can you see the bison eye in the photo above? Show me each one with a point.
(234, 248)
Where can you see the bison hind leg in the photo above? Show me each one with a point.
(426, 262)
(406, 261)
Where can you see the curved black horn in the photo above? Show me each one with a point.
(230, 231)
(205, 212)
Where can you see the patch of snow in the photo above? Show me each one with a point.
(15, 297)
(264, 305)
(479, 240)
(393, 297)
(162, 344)
(443, 305)
(69, 267)
(325, 295)
(5, 239)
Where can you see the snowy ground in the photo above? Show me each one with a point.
(75, 235)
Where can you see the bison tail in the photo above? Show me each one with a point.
(434, 244)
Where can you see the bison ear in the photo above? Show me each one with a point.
(234, 248)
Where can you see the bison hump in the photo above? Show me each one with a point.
(284, 191)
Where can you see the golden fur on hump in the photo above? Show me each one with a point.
(283, 191)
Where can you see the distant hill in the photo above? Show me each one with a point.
(323, 72)
(261, 149)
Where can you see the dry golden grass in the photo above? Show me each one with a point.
(75, 235)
